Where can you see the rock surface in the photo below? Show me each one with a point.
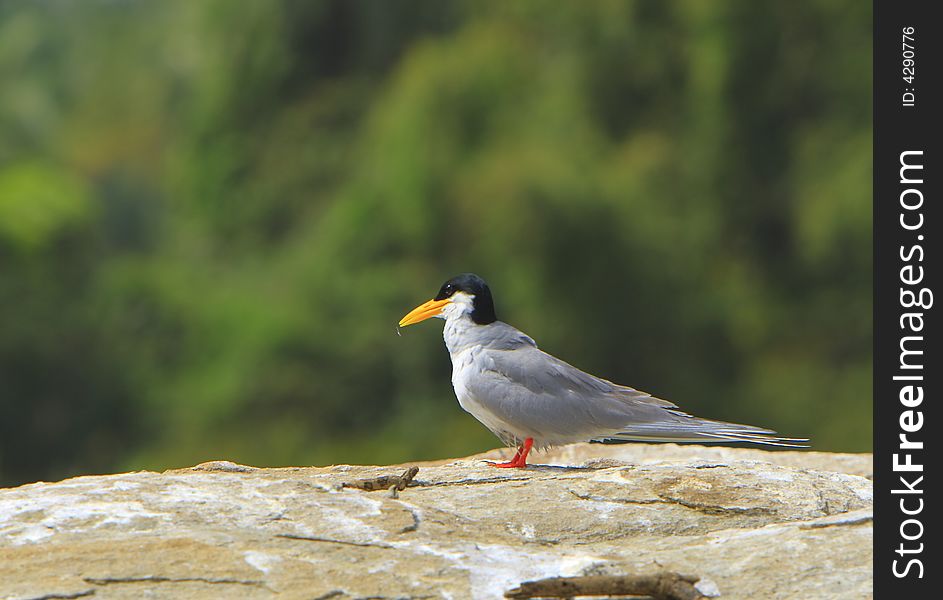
(750, 523)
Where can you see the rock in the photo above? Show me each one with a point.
(640, 454)
(750, 523)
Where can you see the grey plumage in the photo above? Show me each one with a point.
(528, 397)
(534, 394)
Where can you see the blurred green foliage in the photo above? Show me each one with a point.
(213, 213)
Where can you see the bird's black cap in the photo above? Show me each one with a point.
(483, 311)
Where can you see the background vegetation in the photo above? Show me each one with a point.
(213, 213)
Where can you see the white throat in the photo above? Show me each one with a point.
(458, 321)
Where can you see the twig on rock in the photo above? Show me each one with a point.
(384, 482)
(661, 586)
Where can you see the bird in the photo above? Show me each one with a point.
(529, 398)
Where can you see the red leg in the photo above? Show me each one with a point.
(520, 459)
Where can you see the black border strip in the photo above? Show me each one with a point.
(905, 128)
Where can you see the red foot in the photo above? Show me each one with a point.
(520, 458)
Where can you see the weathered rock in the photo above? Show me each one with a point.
(756, 524)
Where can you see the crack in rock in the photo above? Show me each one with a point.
(340, 593)
(714, 509)
(851, 520)
(596, 498)
(306, 538)
(429, 484)
(162, 579)
(416, 520)
(65, 595)
(410, 597)
(710, 509)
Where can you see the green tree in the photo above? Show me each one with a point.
(213, 213)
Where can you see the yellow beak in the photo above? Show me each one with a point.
(423, 312)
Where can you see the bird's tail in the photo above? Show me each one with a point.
(695, 429)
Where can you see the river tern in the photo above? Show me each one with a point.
(530, 398)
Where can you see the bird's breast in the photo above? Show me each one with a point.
(464, 369)
(476, 398)
(466, 372)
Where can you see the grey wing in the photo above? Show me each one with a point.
(556, 402)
